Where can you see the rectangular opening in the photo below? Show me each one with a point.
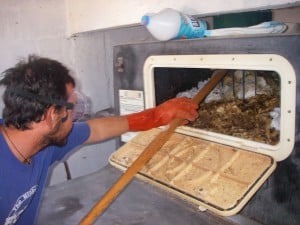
(252, 108)
(246, 104)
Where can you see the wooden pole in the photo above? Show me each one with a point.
(146, 155)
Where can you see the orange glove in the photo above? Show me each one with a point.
(182, 108)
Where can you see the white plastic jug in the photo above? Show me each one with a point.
(170, 24)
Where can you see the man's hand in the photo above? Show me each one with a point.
(163, 114)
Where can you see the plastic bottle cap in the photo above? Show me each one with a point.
(145, 20)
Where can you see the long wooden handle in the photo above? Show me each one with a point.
(146, 155)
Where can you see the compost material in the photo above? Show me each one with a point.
(242, 106)
(248, 119)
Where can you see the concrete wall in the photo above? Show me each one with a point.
(39, 27)
(87, 15)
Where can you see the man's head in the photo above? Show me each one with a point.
(32, 88)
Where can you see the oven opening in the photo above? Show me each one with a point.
(245, 104)
(252, 108)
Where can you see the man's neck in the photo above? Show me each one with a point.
(23, 143)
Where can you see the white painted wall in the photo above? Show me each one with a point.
(87, 15)
(39, 27)
(24, 27)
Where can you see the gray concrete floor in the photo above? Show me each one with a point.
(139, 203)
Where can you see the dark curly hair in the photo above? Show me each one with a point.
(32, 86)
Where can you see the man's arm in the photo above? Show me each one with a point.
(108, 127)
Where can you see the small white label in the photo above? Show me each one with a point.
(130, 102)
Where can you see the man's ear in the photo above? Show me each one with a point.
(50, 116)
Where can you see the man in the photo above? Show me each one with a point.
(37, 130)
